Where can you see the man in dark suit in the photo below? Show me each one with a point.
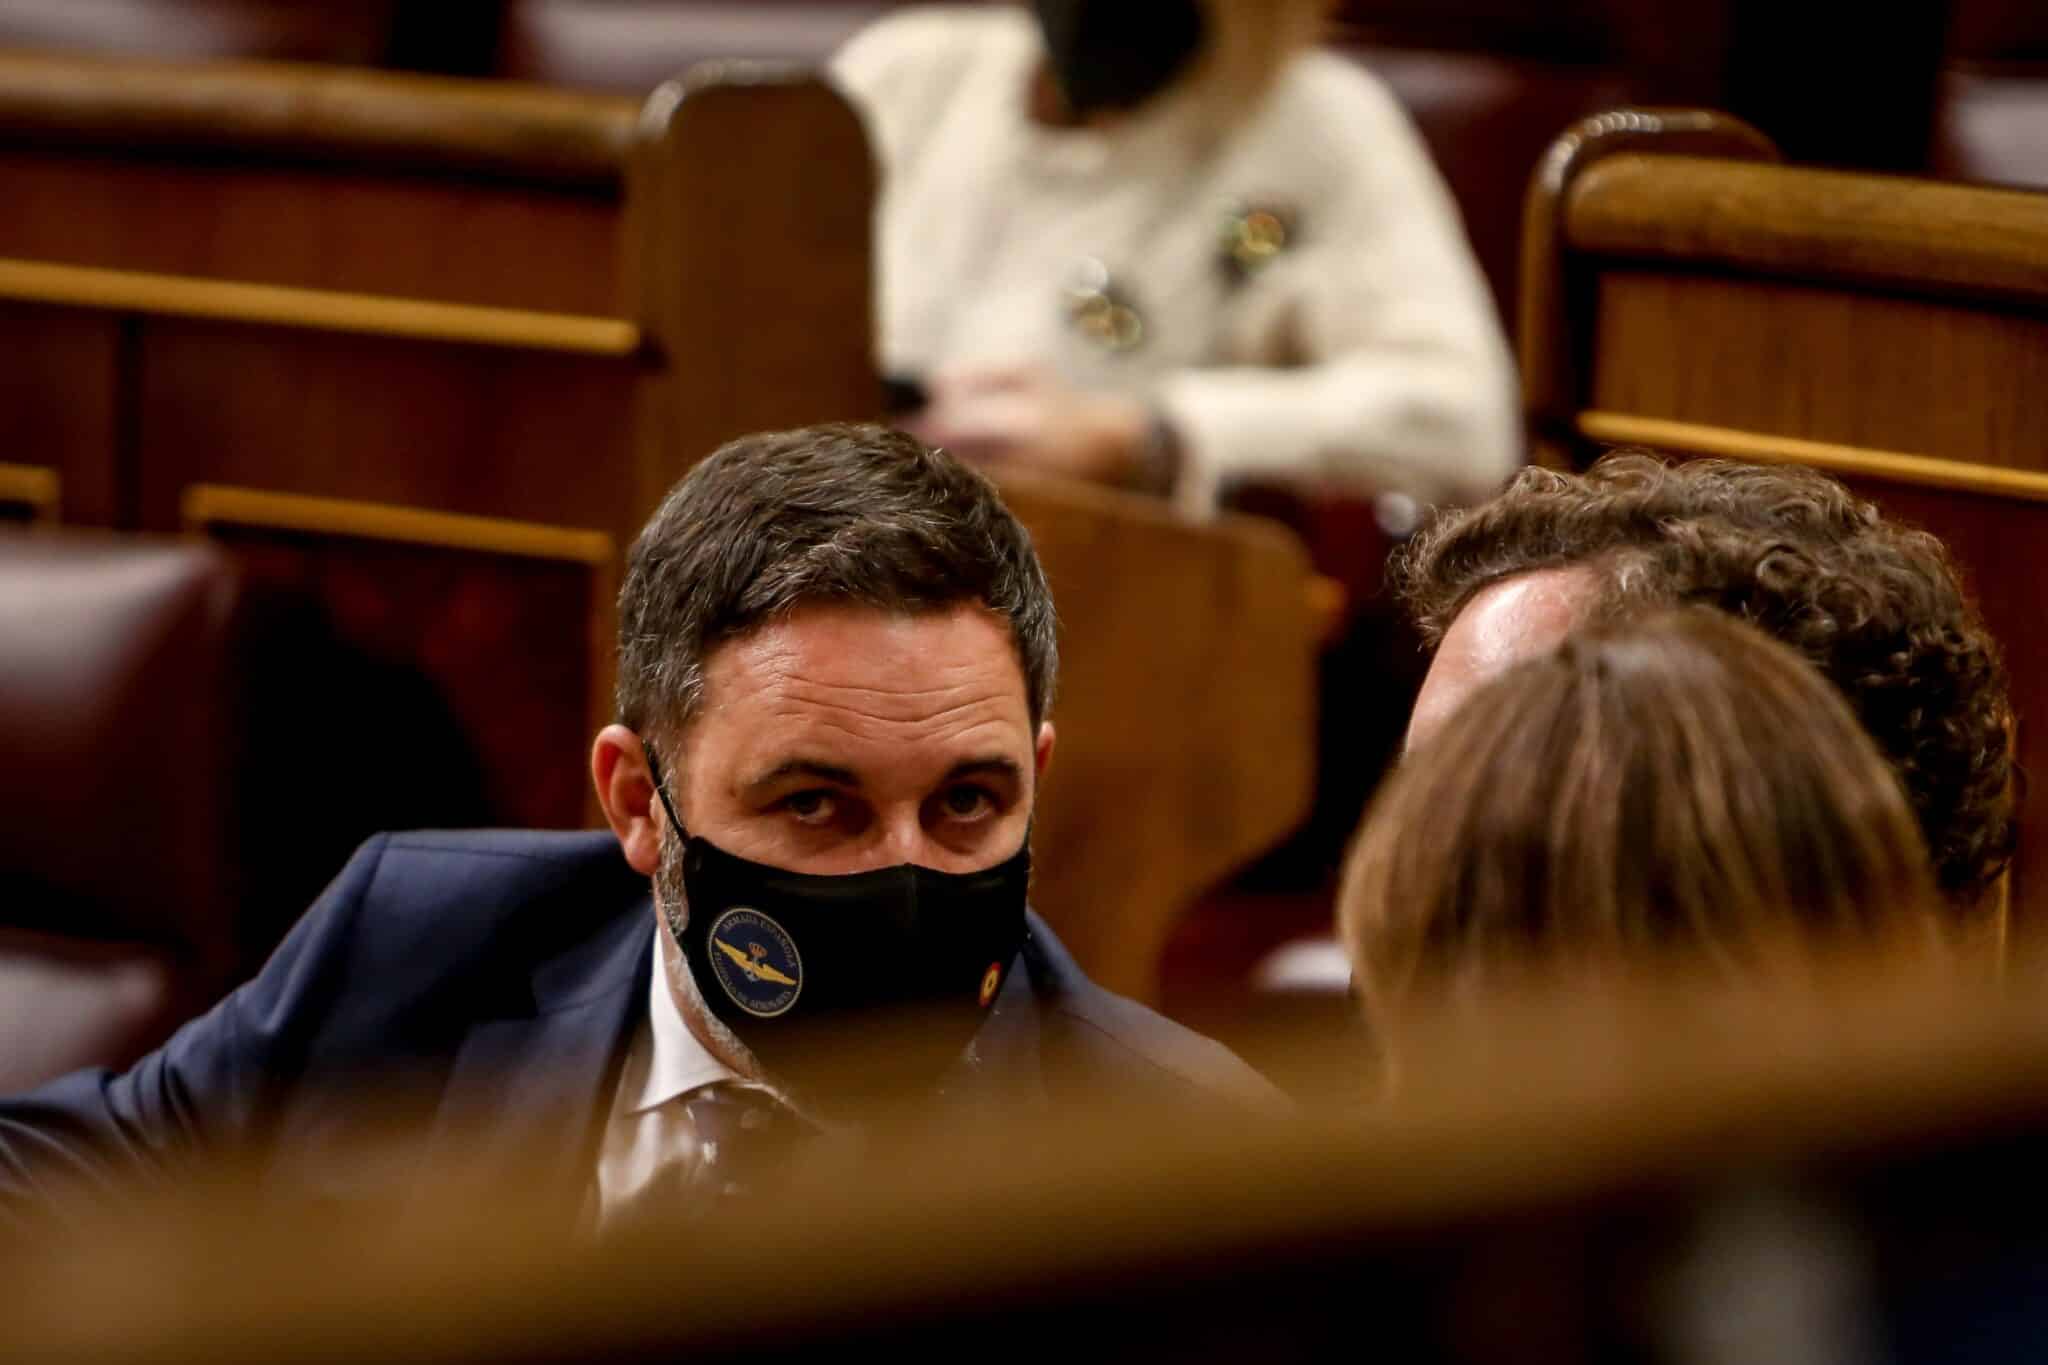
(836, 661)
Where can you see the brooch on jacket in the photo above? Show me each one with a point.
(1101, 311)
(1254, 236)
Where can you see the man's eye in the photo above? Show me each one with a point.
(968, 803)
(812, 807)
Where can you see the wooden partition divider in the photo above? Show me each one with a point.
(431, 350)
(1686, 292)
(1604, 1170)
(1186, 717)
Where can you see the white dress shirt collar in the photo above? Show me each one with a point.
(677, 1062)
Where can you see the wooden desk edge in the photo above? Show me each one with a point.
(1926, 471)
(130, 291)
(205, 506)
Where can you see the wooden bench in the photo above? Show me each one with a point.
(1684, 291)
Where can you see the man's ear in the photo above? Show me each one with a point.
(1042, 753)
(625, 788)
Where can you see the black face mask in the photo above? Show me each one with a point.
(1116, 54)
(795, 964)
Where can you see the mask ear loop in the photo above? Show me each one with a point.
(661, 790)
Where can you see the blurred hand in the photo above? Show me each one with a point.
(1026, 417)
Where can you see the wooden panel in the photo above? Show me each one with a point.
(535, 436)
(1186, 715)
(504, 628)
(322, 228)
(1890, 373)
(60, 403)
(1995, 522)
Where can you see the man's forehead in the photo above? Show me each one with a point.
(852, 676)
(839, 645)
(1521, 616)
(1506, 622)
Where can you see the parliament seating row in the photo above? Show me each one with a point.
(400, 457)
(425, 352)
(1487, 81)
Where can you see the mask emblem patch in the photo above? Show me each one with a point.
(756, 963)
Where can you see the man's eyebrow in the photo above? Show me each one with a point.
(997, 766)
(803, 767)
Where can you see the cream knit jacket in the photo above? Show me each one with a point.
(1363, 354)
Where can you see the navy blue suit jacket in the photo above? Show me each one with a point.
(489, 982)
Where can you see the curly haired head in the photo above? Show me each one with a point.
(1876, 606)
(1678, 783)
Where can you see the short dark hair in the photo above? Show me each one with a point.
(840, 513)
(1876, 606)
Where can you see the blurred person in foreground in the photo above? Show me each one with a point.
(1875, 606)
(1676, 788)
(836, 667)
(1171, 244)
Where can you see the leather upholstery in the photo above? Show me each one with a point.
(117, 885)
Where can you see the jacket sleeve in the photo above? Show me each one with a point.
(204, 1092)
(1396, 375)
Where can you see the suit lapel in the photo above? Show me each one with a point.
(1004, 1067)
(528, 1090)
(530, 1086)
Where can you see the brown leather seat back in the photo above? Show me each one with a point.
(117, 888)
